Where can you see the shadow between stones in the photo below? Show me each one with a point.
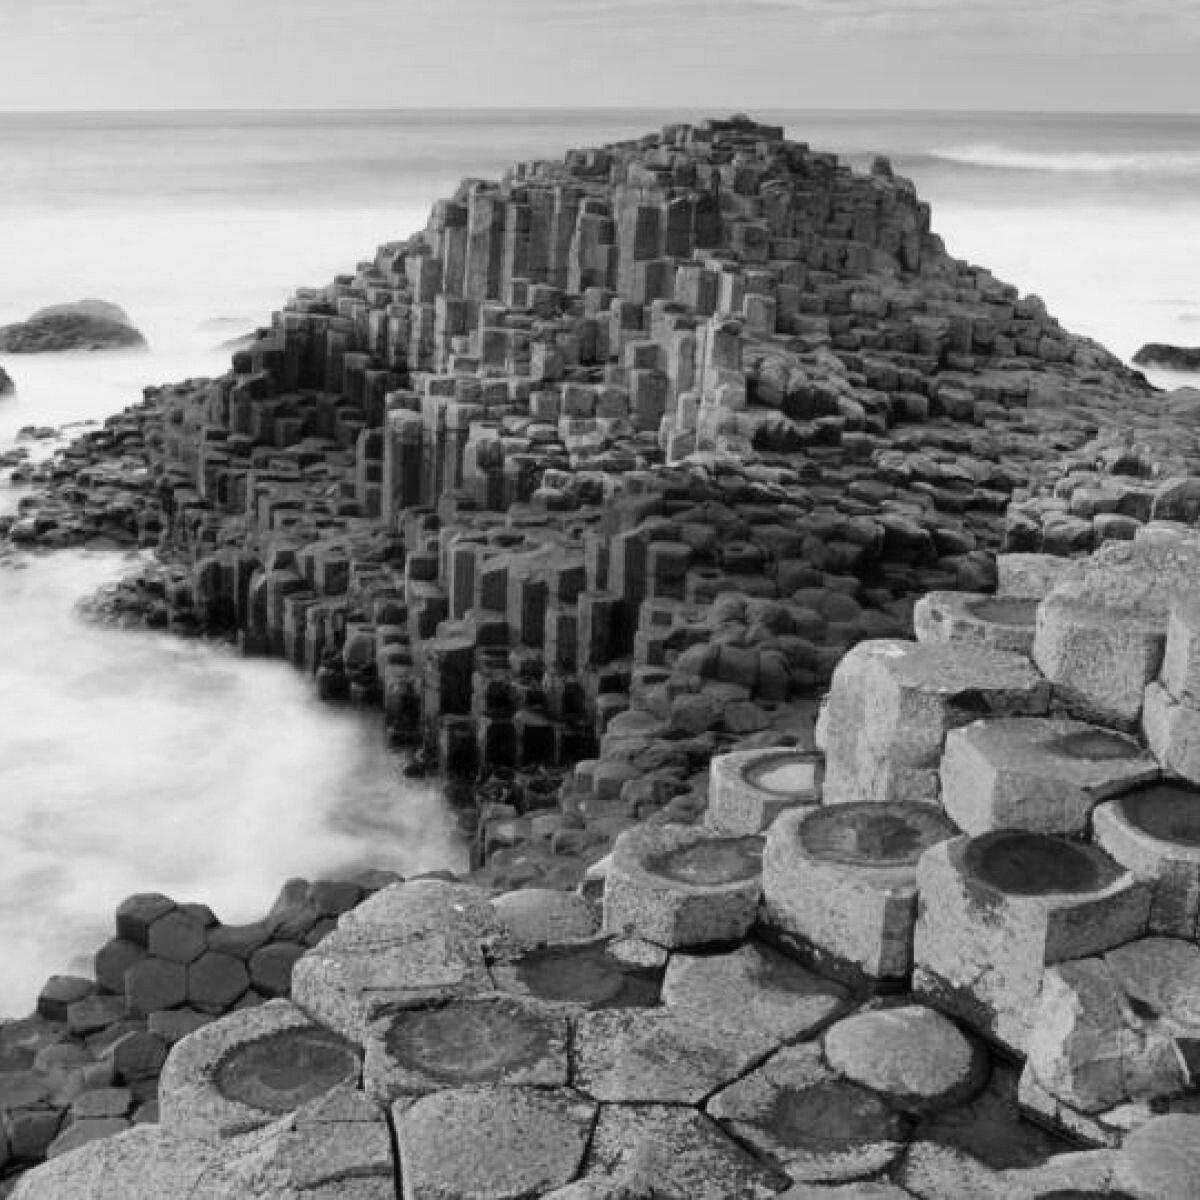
(713, 861)
(587, 975)
(284, 1070)
(1005, 610)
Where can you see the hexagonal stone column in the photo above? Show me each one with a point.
(481, 1142)
(996, 909)
(249, 1068)
(844, 880)
(476, 1040)
(994, 622)
(891, 704)
(1036, 773)
(676, 885)
(748, 789)
(1110, 1031)
(1101, 633)
(1154, 831)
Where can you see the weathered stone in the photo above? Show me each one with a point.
(891, 704)
(913, 1055)
(752, 988)
(1036, 774)
(538, 917)
(1161, 1160)
(998, 908)
(748, 788)
(795, 1111)
(640, 1056)
(481, 1143)
(994, 622)
(680, 886)
(843, 879)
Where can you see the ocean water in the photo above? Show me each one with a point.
(132, 762)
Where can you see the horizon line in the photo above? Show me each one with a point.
(708, 109)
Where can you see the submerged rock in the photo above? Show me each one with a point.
(7, 387)
(85, 325)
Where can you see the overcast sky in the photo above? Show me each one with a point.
(1109, 55)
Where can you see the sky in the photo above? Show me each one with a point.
(1073, 55)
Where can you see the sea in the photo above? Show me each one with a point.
(136, 762)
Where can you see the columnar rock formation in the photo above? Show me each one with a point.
(591, 486)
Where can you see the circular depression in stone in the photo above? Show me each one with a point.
(586, 975)
(1165, 811)
(713, 861)
(468, 1043)
(284, 1070)
(1034, 864)
(829, 1117)
(1094, 745)
(880, 835)
(785, 774)
(1005, 610)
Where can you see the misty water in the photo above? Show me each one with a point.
(131, 762)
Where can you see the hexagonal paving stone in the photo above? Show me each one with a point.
(753, 987)
(248, 1068)
(843, 878)
(489, 1039)
(677, 885)
(1037, 774)
(912, 1054)
(408, 944)
(590, 974)
(483, 1143)
(749, 788)
(682, 1151)
(996, 909)
(654, 1057)
(1155, 832)
(797, 1113)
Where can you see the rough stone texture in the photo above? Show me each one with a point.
(1172, 732)
(679, 886)
(996, 909)
(844, 879)
(891, 704)
(638, 1056)
(240, 1073)
(1037, 774)
(687, 1153)
(538, 917)
(753, 988)
(977, 619)
(748, 788)
(1161, 1160)
(911, 1054)
(819, 1128)
(1102, 633)
(491, 1143)
(1155, 833)
(490, 1039)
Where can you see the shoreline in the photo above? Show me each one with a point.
(602, 475)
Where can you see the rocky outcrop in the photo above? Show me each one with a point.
(7, 387)
(1168, 358)
(85, 325)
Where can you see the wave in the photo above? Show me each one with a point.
(1085, 162)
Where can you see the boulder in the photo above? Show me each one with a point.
(1168, 358)
(87, 325)
(7, 387)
